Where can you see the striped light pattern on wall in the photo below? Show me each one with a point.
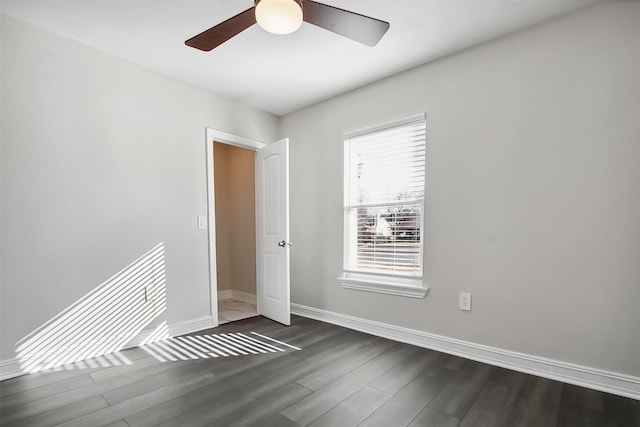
(103, 321)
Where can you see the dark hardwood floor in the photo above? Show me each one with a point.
(338, 378)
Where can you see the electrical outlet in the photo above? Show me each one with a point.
(464, 302)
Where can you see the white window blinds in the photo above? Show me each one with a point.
(384, 199)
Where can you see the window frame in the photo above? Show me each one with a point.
(377, 281)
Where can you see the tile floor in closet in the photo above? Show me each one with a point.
(230, 310)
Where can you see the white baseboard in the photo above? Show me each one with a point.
(609, 382)
(190, 326)
(224, 294)
(11, 367)
(175, 329)
(239, 295)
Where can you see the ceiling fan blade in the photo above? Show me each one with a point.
(357, 27)
(222, 32)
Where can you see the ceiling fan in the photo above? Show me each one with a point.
(286, 16)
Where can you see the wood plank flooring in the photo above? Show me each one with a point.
(339, 378)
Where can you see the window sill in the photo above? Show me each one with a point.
(412, 288)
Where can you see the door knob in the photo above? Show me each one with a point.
(282, 243)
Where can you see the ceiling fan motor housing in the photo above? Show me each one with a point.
(255, 3)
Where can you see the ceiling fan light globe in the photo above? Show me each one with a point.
(279, 16)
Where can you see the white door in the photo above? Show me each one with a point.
(272, 228)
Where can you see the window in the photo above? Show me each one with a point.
(383, 208)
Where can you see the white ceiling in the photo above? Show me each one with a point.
(281, 74)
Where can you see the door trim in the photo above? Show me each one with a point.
(211, 136)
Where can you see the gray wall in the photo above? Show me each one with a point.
(101, 161)
(533, 194)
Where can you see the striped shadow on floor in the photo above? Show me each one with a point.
(192, 347)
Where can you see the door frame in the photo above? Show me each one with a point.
(212, 136)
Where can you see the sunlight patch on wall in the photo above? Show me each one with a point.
(103, 321)
(193, 347)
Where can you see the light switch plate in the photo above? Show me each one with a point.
(202, 222)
